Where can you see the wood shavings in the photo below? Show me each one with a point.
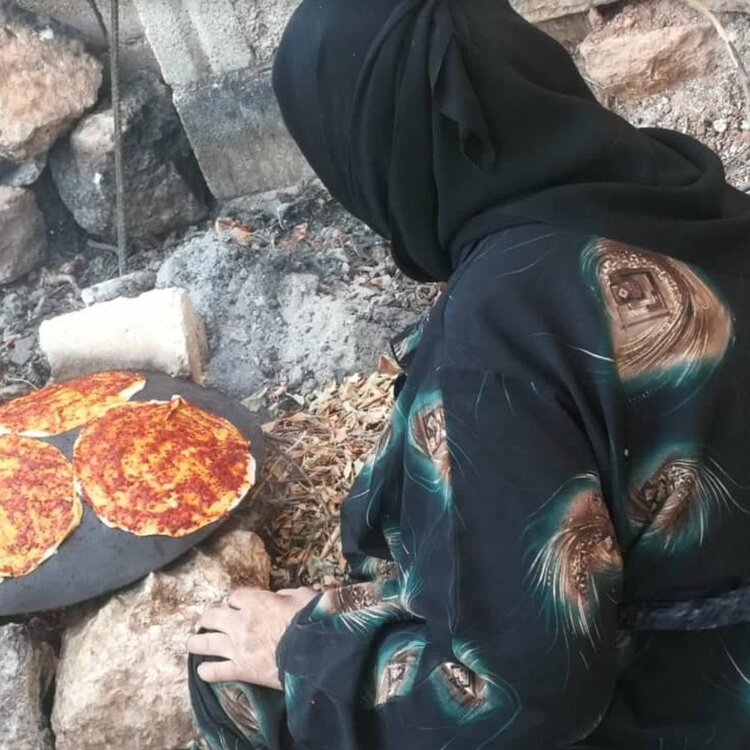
(315, 455)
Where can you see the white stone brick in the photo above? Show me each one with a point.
(158, 331)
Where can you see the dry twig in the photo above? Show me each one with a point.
(316, 455)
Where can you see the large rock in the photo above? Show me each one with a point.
(122, 681)
(158, 330)
(135, 52)
(22, 233)
(26, 671)
(164, 189)
(48, 81)
(632, 62)
(279, 316)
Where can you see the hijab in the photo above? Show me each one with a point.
(440, 122)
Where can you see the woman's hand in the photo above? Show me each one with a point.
(246, 635)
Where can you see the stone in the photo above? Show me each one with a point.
(23, 238)
(135, 51)
(122, 680)
(570, 30)
(728, 6)
(26, 672)
(49, 80)
(545, 10)
(14, 390)
(130, 285)
(633, 63)
(22, 350)
(164, 188)
(276, 316)
(158, 330)
(236, 131)
(194, 40)
(22, 175)
(720, 126)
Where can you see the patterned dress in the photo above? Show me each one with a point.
(550, 546)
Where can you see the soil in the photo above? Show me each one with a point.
(711, 108)
(302, 231)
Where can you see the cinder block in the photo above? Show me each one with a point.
(234, 125)
(158, 330)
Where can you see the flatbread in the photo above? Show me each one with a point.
(66, 406)
(39, 508)
(165, 468)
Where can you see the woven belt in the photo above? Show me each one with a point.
(731, 608)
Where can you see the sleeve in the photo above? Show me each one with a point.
(499, 631)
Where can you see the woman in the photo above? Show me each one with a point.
(550, 547)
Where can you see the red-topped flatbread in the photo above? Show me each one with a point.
(66, 406)
(39, 508)
(165, 468)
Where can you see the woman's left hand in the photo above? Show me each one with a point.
(246, 634)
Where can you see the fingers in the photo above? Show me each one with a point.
(210, 644)
(218, 618)
(218, 671)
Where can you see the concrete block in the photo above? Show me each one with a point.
(158, 330)
(237, 134)
(216, 57)
(195, 40)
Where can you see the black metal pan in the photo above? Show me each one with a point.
(96, 559)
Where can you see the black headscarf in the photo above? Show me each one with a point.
(438, 122)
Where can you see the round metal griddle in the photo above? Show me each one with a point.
(96, 559)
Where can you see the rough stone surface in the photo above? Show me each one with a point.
(21, 175)
(540, 11)
(130, 285)
(544, 10)
(26, 671)
(235, 127)
(22, 233)
(635, 63)
(122, 677)
(135, 51)
(194, 40)
(158, 330)
(48, 82)
(275, 316)
(164, 190)
(728, 6)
